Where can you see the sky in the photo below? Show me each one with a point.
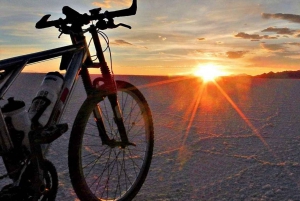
(169, 37)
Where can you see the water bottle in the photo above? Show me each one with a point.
(18, 122)
(42, 105)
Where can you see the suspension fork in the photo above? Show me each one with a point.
(89, 88)
(110, 87)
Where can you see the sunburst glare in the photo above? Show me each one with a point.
(209, 72)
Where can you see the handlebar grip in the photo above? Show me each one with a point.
(73, 16)
(69, 12)
(125, 12)
(44, 23)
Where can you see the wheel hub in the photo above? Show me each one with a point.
(114, 143)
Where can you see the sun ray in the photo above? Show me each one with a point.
(175, 79)
(183, 153)
(242, 115)
(192, 111)
(195, 104)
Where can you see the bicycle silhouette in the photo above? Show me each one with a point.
(111, 142)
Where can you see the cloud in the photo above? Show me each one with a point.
(124, 43)
(201, 39)
(275, 62)
(235, 54)
(248, 36)
(21, 29)
(288, 17)
(110, 3)
(286, 31)
(244, 35)
(162, 38)
(293, 43)
(121, 43)
(272, 47)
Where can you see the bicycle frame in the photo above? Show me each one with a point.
(75, 59)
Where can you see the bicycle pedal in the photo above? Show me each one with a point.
(50, 134)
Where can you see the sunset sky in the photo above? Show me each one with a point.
(170, 37)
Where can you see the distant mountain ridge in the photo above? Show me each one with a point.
(280, 75)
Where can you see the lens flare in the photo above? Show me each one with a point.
(209, 72)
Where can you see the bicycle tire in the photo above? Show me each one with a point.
(94, 173)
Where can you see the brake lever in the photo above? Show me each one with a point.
(111, 25)
(124, 25)
(42, 23)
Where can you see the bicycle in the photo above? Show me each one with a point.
(112, 138)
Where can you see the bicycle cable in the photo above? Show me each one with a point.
(105, 37)
(92, 55)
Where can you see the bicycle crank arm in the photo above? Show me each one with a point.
(48, 135)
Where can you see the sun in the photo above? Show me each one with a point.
(208, 72)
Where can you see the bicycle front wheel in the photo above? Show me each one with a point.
(99, 171)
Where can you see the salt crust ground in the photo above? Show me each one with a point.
(237, 140)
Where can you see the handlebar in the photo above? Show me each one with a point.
(78, 20)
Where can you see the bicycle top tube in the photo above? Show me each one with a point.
(39, 56)
(74, 21)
